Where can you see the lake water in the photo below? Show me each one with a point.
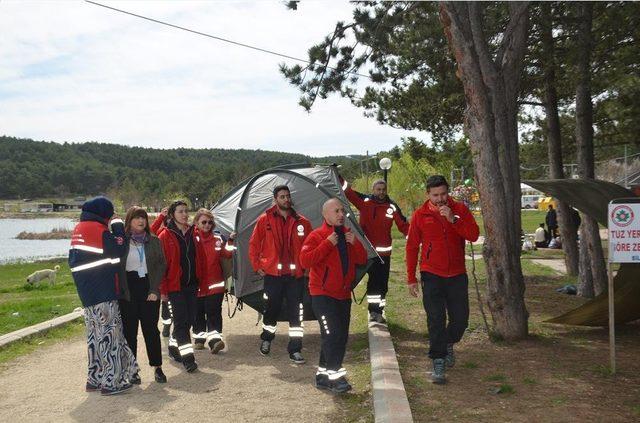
(16, 250)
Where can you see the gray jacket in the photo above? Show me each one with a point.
(156, 265)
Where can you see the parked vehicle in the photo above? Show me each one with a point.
(529, 201)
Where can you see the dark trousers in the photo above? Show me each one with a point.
(183, 306)
(276, 288)
(334, 317)
(145, 313)
(444, 297)
(208, 321)
(378, 284)
(165, 313)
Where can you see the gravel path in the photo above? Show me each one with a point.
(237, 385)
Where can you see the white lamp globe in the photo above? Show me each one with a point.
(385, 163)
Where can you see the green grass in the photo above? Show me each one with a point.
(22, 305)
(496, 378)
(531, 219)
(505, 388)
(12, 351)
(529, 381)
(470, 365)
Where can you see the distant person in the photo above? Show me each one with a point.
(94, 258)
(575, 215)
(377, 214)
(207, 328)
(331, 253)
(274, 250)
(540, 237)
(438, 233)
(140, 276)
(552, 221)
(180, 281)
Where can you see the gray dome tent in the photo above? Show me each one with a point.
(239, 209)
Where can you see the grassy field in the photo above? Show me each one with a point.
(23, 305)
(558, 373)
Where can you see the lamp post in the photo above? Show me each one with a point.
(385, 165)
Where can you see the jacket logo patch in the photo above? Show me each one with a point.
(119, 240)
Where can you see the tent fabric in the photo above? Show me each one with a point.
(592, 197)
(238, 210)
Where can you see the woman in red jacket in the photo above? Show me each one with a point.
(180, 281)
(208, 323)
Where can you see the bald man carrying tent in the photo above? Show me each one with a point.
(331, 253)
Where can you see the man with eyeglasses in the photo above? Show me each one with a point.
(274, 250)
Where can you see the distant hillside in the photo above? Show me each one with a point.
(148, 176)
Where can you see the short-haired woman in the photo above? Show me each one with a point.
(208, 323)
(140, 276)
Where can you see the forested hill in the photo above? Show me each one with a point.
(35, 169)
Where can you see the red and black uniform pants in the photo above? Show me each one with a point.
(208, 321)
(445, 297)
(183, 306)
(276, 289)
(378, 284)
(333, 316)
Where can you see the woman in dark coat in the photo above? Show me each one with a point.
(139, 277)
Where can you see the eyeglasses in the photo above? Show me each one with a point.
(207, 222)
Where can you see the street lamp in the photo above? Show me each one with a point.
(385, 165)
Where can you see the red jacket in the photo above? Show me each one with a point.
(322, 258)
(442, 242)
(171, 247)
(265, 244)
(376, 219)
(214, 249)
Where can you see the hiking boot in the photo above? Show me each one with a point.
(198, 345)
(135, 379)
(322, 382)
(190, 366)
(174, 353)
(339, 386)
(297, 358)
(123, 389)
(380, 318)
(159, 375)
(438, 374)
(90, 387)
(451, 357)
(166, 329)
(216, 345)
(265, 347)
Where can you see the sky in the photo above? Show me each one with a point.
(76, 72)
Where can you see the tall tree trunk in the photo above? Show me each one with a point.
(590, 235)
(585, 277)
(568, 229)
(491, 91)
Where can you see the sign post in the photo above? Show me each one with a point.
(624, 247)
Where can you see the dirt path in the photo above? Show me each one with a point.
(237, 385)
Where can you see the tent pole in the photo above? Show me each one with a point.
(612, 326)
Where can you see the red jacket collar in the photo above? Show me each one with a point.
(273, 210)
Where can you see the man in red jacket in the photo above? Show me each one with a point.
(377, 214)
(331, 253)
(274, 250)
(439, 229)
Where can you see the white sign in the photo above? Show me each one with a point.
(624, 233)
